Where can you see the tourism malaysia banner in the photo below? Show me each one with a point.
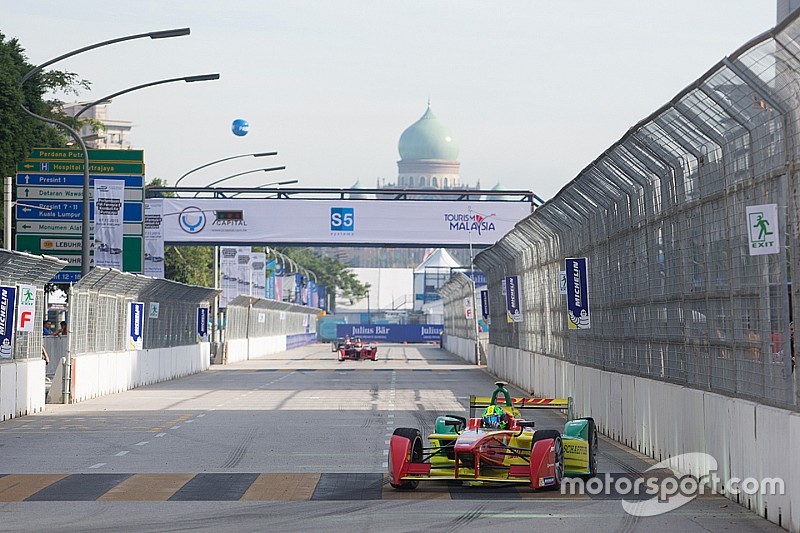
(109, 198)
(336, 222)
(153, 238)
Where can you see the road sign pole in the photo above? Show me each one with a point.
(7, 213)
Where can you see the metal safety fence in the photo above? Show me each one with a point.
(661, 215)
(19, 268)
(99, 311)
(250, 317)
(454, 294)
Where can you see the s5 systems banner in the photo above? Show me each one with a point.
(339, 222)
(577, 294)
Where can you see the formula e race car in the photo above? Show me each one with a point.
(500, 448)
(338, 344)
(355, 349)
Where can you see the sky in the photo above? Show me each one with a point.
(533, 90)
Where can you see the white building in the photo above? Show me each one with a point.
(113, 134)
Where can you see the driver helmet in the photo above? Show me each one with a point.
(494, 417)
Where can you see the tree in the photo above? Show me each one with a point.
(19, 133)
(330, 272)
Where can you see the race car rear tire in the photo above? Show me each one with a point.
(416, 454)
(558, 470)
(593, 448)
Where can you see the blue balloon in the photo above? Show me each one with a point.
(240, 127)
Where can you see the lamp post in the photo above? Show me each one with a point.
(474, 300)
(257, 154)
(85, 219)
(269, 169)
(265, 185)
(187, 79)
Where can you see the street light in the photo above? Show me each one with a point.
(187, 79)
(270, 169)
(257, 154)
(179, 32)
(265, 185)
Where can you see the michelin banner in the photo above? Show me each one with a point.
(153, 238)
(109, 198)
(337, 222)
(513, 299)
(577, 294)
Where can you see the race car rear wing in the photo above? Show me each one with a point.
(480, 402)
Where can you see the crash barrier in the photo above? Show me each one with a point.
(680, 338)
(664, 420)
(22, 379)
(665, 218)
(257, 327)
(128, 330)
(457, 295)
(391, 332)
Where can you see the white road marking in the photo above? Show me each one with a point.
(160, 435)
(174, 427)
(201, 415)
(98, 465)
(385, 465)
(120, 454)
(143, 443)
(188, 421)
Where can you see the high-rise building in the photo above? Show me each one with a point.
(111, 136)
(785, 8)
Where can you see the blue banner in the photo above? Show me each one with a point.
(8, 300)
(300, 339)
(513, 299)
(577, 294)
(485, 304)
(202, 324)
(135, 326)
(392, 332)
(271, 267)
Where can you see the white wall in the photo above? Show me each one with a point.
(663, 420)
(111, 372)
(22, 388)
(255, 348)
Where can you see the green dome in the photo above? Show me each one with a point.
(428, 138)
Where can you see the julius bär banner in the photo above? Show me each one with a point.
(578, 314)
(339, 222)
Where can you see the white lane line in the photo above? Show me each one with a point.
(201, 415)
(159, 435)
(98, 465)
(143, 443)
(386, 442)
(174, 427)
(120, 454)
(188, 421)
(385, 465)
(385, 452)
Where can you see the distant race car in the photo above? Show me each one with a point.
(509, 451)
(355, 349)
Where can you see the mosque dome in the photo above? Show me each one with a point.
(428, 138)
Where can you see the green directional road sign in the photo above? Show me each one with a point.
(64, 154)
(76, 167)
(51, 180)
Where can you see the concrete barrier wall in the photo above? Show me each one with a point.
(663, 420)
(261, 347)
(22, 388)
(111, 372)
(464, 348)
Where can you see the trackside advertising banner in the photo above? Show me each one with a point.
(391, 332)
(109, 197)
(577, 294)
(513, 299)
(258, 274)
(136, 326)
(228, 275)
(8, 298)
(153, 238)
(202, 324)
(26, 313)
(337, 222)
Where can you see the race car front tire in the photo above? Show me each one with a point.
(593, 448)
(416, 454)
(558, 469)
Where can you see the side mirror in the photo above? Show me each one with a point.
(526, 423)
(452, 422)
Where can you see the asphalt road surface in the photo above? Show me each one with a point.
(297, 442)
